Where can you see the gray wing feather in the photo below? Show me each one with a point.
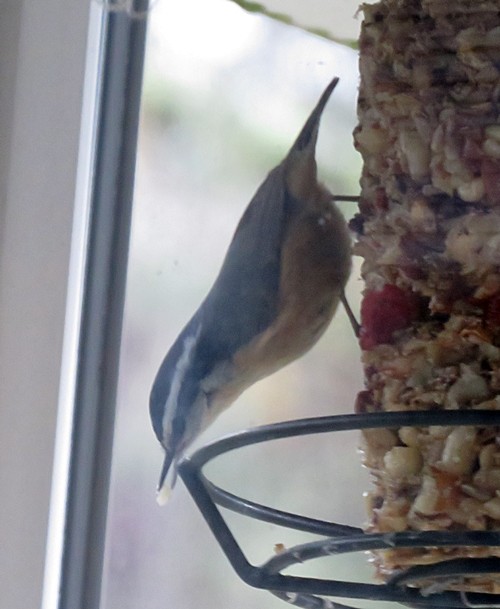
(244, 298)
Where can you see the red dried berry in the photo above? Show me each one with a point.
(384, 312)
(490, 173)
(492, 313)
(381, 201)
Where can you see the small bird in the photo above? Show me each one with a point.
(279, 286)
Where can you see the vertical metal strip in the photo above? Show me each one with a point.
(102, 306)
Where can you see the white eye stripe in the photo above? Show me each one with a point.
(181, 368)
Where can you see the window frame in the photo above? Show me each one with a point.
(69, 109)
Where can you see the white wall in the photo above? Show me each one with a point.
(42, 54)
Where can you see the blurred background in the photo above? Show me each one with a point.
(225, 94)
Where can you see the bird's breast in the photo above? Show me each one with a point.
(315, 266)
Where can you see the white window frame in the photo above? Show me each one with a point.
(62, 278)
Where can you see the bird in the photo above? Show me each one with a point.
(279, 286)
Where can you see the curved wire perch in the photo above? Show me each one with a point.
(456, 568)
(339, 538)
(449, 571)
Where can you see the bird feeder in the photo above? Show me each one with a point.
(428, 233)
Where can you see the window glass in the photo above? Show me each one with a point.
(225, 94)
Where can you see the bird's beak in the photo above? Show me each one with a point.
(309, 133)
(164, 486)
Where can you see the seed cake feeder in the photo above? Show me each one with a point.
(407, 587)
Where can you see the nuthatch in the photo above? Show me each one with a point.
(277, 291)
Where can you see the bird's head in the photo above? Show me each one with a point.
(300, 162)
(178, 405)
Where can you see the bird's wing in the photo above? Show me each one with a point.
(244, 298)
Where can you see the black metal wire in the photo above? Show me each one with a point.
(447, 569)
(340, 538)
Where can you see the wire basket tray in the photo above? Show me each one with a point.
(308, 592)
